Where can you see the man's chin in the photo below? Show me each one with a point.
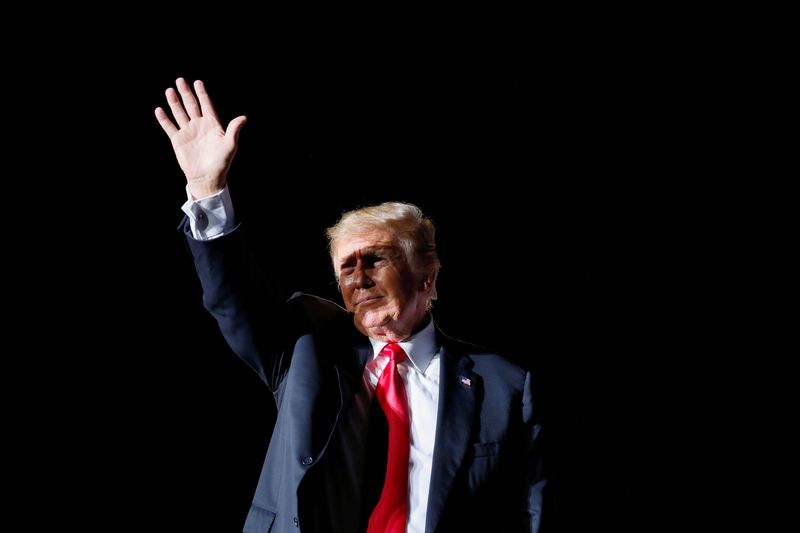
(376, 322)
(371, 324)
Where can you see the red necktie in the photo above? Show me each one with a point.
(389, 516)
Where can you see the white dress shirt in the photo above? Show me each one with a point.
(212, 217)
(209, 217)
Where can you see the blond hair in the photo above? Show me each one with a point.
(414, 231)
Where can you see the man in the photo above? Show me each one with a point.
(384, 423)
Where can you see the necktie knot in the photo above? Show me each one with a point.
(394, 352)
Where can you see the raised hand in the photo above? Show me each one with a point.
(204, 149)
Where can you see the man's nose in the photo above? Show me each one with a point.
(362, 279)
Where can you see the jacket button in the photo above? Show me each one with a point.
(307, 460)
(296, 523)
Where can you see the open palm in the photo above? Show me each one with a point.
(203, 148)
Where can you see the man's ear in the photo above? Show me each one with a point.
(429, 287)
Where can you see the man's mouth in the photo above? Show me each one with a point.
(366, 299)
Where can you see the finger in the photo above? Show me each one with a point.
(177, 108)
(234, 127)
(189, 101)
(206, 106)
(165, 122)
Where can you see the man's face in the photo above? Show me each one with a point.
(378, 286)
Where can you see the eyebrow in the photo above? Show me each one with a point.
(368, 250)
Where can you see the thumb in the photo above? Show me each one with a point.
(234, 127)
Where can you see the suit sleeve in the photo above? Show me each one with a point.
(535, 480)
(252, 314)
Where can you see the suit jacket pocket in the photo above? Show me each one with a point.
(259, 520)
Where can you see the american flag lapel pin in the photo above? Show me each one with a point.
(464, 380)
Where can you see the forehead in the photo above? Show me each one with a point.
(359, 242)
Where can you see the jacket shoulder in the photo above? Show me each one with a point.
(484, 360)
(319, 314)
(316, 305)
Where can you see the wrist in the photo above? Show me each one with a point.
(198, 192)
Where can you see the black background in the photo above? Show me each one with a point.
(612, 206)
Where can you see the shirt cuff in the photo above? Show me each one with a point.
(209, 217)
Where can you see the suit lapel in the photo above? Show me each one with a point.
(453, 429)
(349, 374)
(351, 369)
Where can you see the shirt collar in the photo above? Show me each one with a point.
(420, 347)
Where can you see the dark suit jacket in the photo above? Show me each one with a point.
(486, 473)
